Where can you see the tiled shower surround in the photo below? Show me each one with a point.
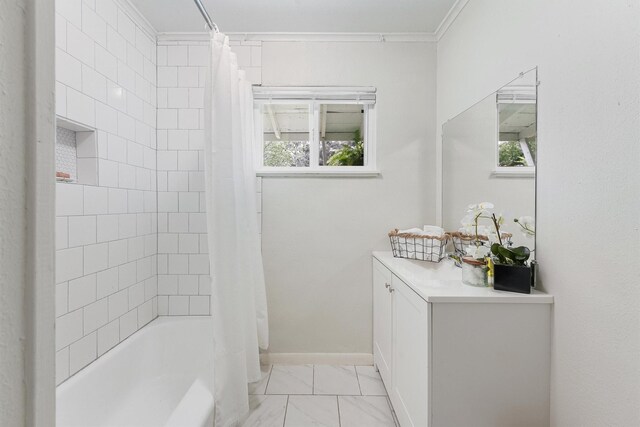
(183, 263)
(106, 236)
(133, 246)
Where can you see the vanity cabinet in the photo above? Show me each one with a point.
(454, 355)
(410, 351)
(382, 320)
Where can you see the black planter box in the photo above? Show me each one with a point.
(513, 278)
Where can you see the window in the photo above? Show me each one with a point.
(315, 130)
(517, 136)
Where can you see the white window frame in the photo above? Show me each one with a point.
(314, 97)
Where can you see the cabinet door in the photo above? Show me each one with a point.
(382, 321)
(410, 391)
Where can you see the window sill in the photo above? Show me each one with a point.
(315, 173)
(514, 173)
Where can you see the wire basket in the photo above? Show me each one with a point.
(462, 242)
(417, 246)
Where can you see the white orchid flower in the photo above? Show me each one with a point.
(483, 230)
(483, 206)
(480, 209)
(468, 220)
(478, 252)
(527, 225)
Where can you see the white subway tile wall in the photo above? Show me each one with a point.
(106, 235)
(134, 246)
(184, 286)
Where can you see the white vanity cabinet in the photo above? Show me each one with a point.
(453, 355)
(382, 320)
(410, 378)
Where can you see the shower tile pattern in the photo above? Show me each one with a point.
(319, 395)
(106, 234)
(146, 214)
(184, 286)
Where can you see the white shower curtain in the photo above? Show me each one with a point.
(238, 300)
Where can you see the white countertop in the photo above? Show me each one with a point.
(442, 282)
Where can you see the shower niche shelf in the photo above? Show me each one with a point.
(76, 153)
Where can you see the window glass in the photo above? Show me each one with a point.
(341, 135)
(517, 141)
(286, 135)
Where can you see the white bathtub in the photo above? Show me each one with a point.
(160, 376)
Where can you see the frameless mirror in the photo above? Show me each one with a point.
(489, 153)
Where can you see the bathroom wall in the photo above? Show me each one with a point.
(184, 286)
(588, 179)
(318, 233)
(106, 234)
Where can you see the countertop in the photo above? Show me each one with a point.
(442, 283)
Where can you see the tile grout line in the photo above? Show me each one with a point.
(286, 407)
(268, 379)
(355, 368)
(339, 416)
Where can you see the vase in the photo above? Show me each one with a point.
(513, 278)
(474, 272)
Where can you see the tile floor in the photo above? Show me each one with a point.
(319, 396)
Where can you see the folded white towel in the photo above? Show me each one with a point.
(411, 231)
(429, 230)
(433, 230)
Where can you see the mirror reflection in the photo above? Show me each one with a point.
(489, 153)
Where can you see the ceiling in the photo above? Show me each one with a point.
(324, 16)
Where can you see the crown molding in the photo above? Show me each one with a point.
(183, 37)
(133, 13)
(449, 18)
(304, 37)
(408, 37)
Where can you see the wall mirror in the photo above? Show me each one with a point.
(489, 153)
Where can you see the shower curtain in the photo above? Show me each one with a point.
(238, 301)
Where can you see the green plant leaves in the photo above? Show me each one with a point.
(517, 256)
(349, 155)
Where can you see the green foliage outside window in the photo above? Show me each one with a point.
(349, 155)
(510, 153)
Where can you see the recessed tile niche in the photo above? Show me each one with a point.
(76, 152)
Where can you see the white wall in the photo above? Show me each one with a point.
(588, 177)
(318, 233)
(27, 387)
(106, 234)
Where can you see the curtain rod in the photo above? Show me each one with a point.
(212, 26)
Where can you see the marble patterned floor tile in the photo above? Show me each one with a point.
(335, 380)
(312, 411)
(361, 411)
(260, 387)
(370, 381)
(291, 379)
(266, 411)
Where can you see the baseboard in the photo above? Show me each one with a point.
(316, 358)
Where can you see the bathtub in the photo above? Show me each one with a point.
(160, 376)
